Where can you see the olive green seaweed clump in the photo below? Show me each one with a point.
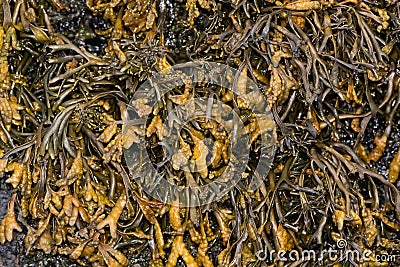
(329, 71)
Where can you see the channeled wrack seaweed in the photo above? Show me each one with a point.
(327, 69)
